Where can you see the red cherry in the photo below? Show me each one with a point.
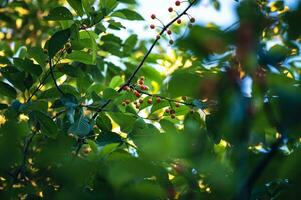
(153, 16)
(137, 94)
(140, 82)
(169, 32)
(142, 87)
(178, 3)
(170, 9)
(126, 88)
(179, 21)
(152, 26)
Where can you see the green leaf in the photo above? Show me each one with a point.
(176, 87)
(125, 121)
(108, 137)
(127, 1)
(115, 25)
(28, 66)
(38, 55)
(81, 56)
(7, 90)
(104, 122)
(110, 93)
(130, 43)
(115, 82)
(87, 6)
(47, 124)
(70, 70)
(108, 6)
(57, 42)
(59, 13)
(81, 127)
(127, 14)
(77, 6)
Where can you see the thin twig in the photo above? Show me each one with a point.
(25, 155)
(54, 79)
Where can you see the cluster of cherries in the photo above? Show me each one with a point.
(153, 99)
(179, 21)
(143, 87)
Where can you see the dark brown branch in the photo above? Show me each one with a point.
(40, 85)
(54, 79)
(25, 155)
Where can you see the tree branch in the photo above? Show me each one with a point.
(144, 58)
(54, 79)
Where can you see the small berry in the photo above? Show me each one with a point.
(184, 98)
(158, 37)
(137, 106)
(126, 88)
(170, 9)
(172, 111)
(152, 26)
(140, 100)
(149, 101)
(140, 82)
(178, 3)
(172, 116)
(137, 94)
(68, 45)
(127, 101)
(192, 20)
(177, 105)
(123, 103)
(167, 110)
(169, 32)
(142, 87)
(135, 102)
(179, 21)
(153, 16)
(171, 42)
(142, 78)
(158, 99)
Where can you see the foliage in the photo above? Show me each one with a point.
(87, 114)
